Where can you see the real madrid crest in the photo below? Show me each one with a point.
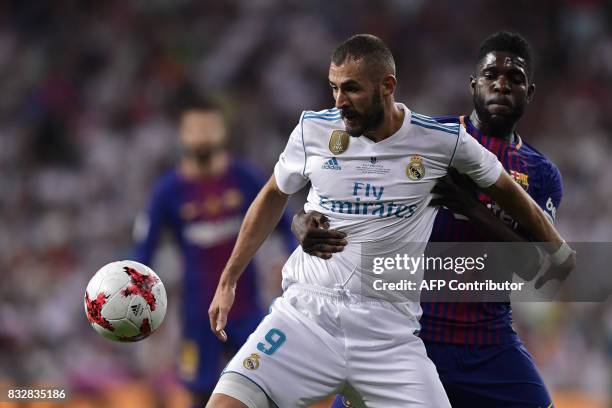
(416, 168)
(339, 141)
(251, 362)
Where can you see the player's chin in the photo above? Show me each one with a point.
(502, 117)
(352, 128)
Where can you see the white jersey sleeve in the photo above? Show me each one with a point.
(476, 161)
(290, 168)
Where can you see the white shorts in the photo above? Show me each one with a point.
(316, 342)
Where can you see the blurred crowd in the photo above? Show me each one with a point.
(89, 93)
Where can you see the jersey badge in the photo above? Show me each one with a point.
(339, 141)
(251, 362)
(521, 178)
(233, 199)
(415, 169)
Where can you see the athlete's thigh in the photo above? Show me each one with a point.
(389, 366)
(500, 376)
(293, 360)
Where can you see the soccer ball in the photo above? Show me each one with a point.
(125, 301)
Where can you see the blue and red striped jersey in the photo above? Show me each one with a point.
(204, 216)
(488, 323)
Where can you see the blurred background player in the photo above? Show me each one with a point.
(478, 355)
(202, 202)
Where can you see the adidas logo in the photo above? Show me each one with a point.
(332, 164)
(135, 309)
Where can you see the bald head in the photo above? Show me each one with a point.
(368, 49)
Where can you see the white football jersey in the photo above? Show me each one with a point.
(374, 192)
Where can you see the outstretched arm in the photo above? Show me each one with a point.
(259, 221)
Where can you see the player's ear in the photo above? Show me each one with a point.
(472, 85)
(530, 92)
(388, 85)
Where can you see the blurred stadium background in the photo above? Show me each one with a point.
(88, 92)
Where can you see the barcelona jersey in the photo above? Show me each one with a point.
(204, 216)
(488, 323)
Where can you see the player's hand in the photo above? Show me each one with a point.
(219, 309)
(558, 272)
(455, 191)
(313, 233)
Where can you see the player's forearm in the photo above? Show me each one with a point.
(259, 221)
(494, 229)
(516, 202)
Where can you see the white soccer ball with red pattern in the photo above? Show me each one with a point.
(125, 301)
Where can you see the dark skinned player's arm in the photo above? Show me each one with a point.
(457, 193)
(523, 209)
(520, 206)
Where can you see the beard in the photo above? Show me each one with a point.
(497, 124)
(359, 123)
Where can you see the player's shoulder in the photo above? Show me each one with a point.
(316, 126)
(321, 121)
(167, 182)
(435, 125)
(245, 169)
(323, 116)
(452, 119)
(539, 160)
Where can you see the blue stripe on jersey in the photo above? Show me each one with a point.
(328, 114)
(432, 122)
(428, 119)
(324, 111)
(323, 115)
(427, 125)
(329, 118)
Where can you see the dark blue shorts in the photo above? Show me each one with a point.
(491, 376)
(203, 355)
(500, 376)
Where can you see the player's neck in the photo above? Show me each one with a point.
(217, 165)
(391, 123)
(503, 133)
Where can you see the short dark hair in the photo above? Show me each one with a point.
(369, 48)
(187, 98)
(513, 43)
